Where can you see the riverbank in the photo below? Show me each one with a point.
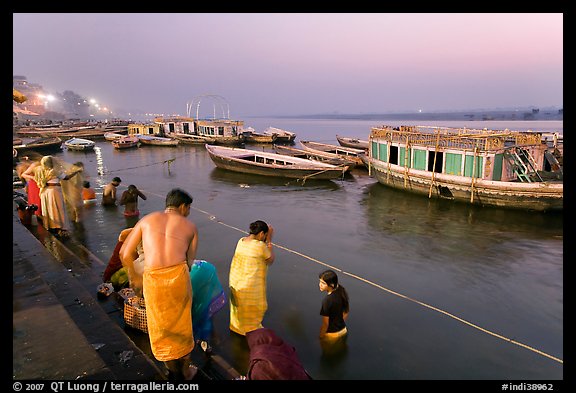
(62, 331)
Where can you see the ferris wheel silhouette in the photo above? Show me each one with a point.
(219, 106)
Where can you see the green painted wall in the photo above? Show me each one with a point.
(403, 161)
(383, 152)
(375, 154)
(469, 163)
(497, 171)
(453, 163)
(419, 159)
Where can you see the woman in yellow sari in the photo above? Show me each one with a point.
(49, 175)
(247, 278)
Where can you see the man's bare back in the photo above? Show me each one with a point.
(168, 239)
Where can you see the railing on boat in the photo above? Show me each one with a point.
(460, 138)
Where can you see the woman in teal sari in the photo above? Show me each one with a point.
(207, 298)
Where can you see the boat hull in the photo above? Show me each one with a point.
(189, 139)
(352, 142)
(345, 153)
(294, 171)
(537, 196)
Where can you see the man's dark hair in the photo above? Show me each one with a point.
(176, 197)
(117, 180)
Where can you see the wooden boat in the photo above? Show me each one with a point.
(91, 134)
(50, 131)
(251, 136)
(79, 144)
(489, 168)
(344, 152)
(328, 158)
(352, 142)
(126, 142)
(41, 145)
(154, 140)
(112, 136)
(271, 164)
(190, 139)
(282, 136)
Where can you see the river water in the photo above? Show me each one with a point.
(437, 289)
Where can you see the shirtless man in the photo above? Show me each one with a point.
(109, 194)
(129, 199)
(169, 242)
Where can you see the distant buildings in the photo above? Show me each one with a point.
(40, 104)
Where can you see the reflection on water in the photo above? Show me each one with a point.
(249, 180)
(396, 212)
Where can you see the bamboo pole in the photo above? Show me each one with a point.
(434, 164)
(473, 175)
(370, 155)
(406, 162)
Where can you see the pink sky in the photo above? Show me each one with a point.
(290, 63)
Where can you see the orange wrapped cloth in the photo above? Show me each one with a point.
(168, 295)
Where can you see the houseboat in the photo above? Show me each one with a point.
(510, 169)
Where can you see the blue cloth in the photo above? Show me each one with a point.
(208, 298)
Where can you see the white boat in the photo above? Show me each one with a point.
(79, 144)
(271, 164)
(112, 136)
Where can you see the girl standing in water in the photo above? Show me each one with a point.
(335, 307)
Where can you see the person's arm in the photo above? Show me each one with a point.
(192, 248)
(123, 197)
(141, 195)
(324, 327)
(345, 315)
(71, 175)
(270, 260)
(28, 174)
(128, 252)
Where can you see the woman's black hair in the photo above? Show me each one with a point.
(331, 279)
(258, 226)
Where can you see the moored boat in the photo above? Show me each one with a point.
(125, 142)
(154, 140)
(41, 145)
(489, 168)
(344, 152)
(190, 139)
(112, 136)
(271, 164)
(328, 158)
(352, 142)
(79, 144)
(251, 136)
(282, 136)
